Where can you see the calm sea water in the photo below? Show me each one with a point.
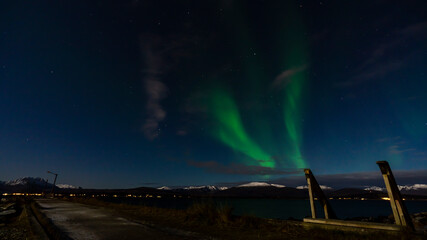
(281, 208)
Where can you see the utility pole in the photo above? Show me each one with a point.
(45, 186)
(54, 181)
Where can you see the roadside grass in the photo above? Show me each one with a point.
(208, 219)
(17, 227)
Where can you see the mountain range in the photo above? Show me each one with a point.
(252, 189)
(30, 184)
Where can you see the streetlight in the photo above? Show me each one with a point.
(54, 181)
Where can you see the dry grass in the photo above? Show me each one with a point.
(209, 214)
(207, 219)
(17, 227)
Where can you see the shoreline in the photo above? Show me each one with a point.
(219, 223)
(211, 219)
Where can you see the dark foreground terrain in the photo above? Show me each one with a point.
(93, 219)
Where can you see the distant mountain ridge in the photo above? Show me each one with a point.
(249, 190)
(30, 184)
(221, 188)
(25, 181)
(265, 189)
(261, 184)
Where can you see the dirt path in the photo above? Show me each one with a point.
(80, 221)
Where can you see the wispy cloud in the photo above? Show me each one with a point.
(397, 149)
(160, 55)
(238, 169)
(396, 145)
(284, 78)
(380, 63)
(378, 71)
(414, 29)
(155, 90)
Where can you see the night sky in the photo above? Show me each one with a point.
(152, 93)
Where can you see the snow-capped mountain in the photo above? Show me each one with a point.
(415, 188)
(374, 188)
(323, 187)
(26, 181)
(412, 187)
(251, 189)
(66, 186)
(208, 187)
(211, 188)
(261, 184)
(30, 184)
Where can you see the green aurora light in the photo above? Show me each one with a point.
(230, 129)
(295, 57)
(292, 116)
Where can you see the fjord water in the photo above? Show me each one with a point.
(298, 209)
(280, 208)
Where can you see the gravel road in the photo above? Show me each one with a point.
(80, 221)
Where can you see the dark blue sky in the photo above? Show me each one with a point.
(119, 94)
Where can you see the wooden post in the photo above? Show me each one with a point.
(310, 194)
(400, 213)
(314, 188)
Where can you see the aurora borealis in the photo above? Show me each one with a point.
(295, 58)
(176, 93)
(231, 131)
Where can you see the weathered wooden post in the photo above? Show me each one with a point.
(400, 213)
(310, 193)
(314, 188)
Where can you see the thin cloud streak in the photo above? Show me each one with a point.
(374, 72)
(283, 79)
(160, 56)
(155, 90)
(397, 149)
(378, 65)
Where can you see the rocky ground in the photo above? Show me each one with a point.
(14, 232)
(14, 222)
(418, 219)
